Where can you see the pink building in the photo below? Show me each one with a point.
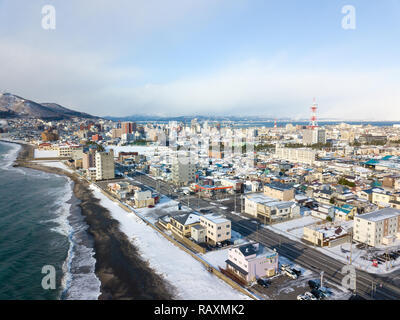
(252, 261)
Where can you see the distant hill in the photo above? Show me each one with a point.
(12, 106)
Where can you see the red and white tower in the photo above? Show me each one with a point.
(275, 124)
(313, 122)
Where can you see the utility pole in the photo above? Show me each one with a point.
(235, 202)
(351, 247)
(322, 279)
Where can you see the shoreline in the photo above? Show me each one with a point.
(121, 271)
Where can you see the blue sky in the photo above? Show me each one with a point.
(175, 57)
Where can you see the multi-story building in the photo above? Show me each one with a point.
(70, 150)
(314, 136)
(252, 261)
(89, 160)
(379, 227)
(279, 191)
(296, 155)
(218, 229)
(183, 170)
(105, 165)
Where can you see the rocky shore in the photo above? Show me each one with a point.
(119, 267)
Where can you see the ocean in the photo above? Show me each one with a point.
(41, 225)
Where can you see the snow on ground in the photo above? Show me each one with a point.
(293, 227)
(217, 258)
(165, 206)
(45, 154)
(54, 164)
(189, 276)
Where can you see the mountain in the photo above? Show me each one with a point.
(12, 106)
(185, 119)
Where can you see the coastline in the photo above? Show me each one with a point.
(121, 271)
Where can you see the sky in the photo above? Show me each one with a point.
(209, 57)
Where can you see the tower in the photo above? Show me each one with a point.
(313, 120)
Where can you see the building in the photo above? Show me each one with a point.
(143, 199)
(70, 150)
(218, 229)
(296, 155)
(89, 160)
(279, 191)
(326, 236)
(314, 136)
(379, 227)
(198, 233)
(252, 261)
(182, 224)
(105, 165)
(183, 171)
(270, 210)
(128, 127)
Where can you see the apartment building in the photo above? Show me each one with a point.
(326, 236)
(218, 229)
(70, 150)
(314, 136)
(105, 165)
(89, 160)
(252, 261)
(279, 191)
(296, 155)
(183, 170)
(379, 227)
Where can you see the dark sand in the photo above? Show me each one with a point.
(122, 273)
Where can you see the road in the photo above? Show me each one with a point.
(368, 286)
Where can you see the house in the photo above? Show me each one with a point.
(182, 224)
(324, 211)
(218, 228)
(326, 235)
(143, 199)
(345, 212)
(252, 261)
(269, 209)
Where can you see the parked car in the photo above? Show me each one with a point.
(290, 274)
(302, 297)
(262, 282)
(310, 295)
(297, 272)
(284, 267)
(318, 294)
(313, 284)
(150, 206)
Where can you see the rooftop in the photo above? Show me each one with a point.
(385, 213)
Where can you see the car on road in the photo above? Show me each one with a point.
(290, 274)
(297, 272)
(262, 282)
(150, 206)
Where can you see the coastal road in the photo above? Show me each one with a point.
(368, 286)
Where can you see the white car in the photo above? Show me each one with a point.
(284, 267)
(290, 274)
(310, 295)
(302, 297)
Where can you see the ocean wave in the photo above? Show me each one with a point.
(11, 155)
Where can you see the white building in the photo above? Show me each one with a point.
(105, 165)
(183, 170)
(296, 155)
(379, 227)
(217, 227)
(314, 136)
